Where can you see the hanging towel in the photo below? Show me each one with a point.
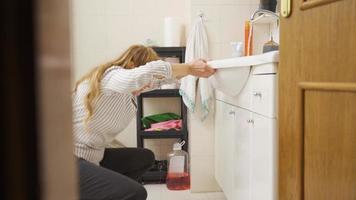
(197, 47)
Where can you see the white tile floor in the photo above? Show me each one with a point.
(160, 192)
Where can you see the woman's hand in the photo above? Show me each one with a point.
(196, 68)
(200, 68)
(139, 91)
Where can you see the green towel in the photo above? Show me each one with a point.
(148, 120)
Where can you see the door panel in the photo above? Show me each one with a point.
(329, 143)
(314, 3)
(317, 46)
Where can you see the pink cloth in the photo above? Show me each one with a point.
(171, 124)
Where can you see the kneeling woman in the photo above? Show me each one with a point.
(103, 105)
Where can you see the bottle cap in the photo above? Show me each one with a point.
(178, 145)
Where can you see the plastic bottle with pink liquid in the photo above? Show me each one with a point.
(178, 177)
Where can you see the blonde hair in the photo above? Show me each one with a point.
(133, 57)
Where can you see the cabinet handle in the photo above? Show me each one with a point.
(257, 94)
(250, 121)
(232, 112)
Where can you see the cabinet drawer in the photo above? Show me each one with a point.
(259, 95)
(263, 95)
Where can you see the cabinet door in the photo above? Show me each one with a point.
(224, 129)
(241, 167)
(263, 152)
(263, 95)
(219, 142)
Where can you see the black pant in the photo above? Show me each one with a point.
(117, 177)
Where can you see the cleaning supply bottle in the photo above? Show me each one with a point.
(271, 45)
(248, 38)
(178, 177)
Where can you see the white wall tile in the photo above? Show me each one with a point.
(211, 13)
(144, 28)
(226, 50)
(207, 2)
(113, 25)
(201, 136)
(118, 7)
(255, 2)
(172, 8)
(93, 59)
(90, 32)
(88, 7)
(119, 30)
(232, 22)
(145, 7)
(153, 106)
(202, 174)
(234, 2)
(214, 50)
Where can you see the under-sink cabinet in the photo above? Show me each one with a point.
(246, 141)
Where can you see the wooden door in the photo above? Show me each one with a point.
(317, 101)
(37, 161)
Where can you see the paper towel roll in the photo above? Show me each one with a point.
(172, 31)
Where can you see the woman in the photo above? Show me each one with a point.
(104, 104)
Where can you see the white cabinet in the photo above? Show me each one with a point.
(246, 143)
(258, 95)
(224, 142)
(241, 157)
(263, 158)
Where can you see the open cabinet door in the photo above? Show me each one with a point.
(317, 101)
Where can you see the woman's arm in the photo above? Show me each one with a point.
(196, 68)
(129, 80)
(133, 80)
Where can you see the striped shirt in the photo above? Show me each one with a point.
(113, 109)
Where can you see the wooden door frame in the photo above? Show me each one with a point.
(19, 135)
(36, 125)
